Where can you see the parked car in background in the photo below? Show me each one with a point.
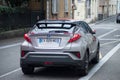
(67, 43)
(118, 18)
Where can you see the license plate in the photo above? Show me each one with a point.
(49, 40)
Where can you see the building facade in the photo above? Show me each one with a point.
(59, 9)
(107, 8)
(92, 10)
(52, 9)
(118, 6)
(86, 10)
(112, 7)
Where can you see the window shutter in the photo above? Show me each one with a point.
(66, 5)
(55, 6)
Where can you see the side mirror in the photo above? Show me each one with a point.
(93, 31)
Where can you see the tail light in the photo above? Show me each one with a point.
(78, 55)
(74, 38)
(27, 38)
(22, 54)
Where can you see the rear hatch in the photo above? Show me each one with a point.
(51, 38)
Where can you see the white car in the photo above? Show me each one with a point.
(67, 43)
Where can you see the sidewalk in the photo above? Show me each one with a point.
(13, 33)
(100, 21)
(21, 32)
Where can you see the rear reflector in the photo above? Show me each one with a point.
(23, 53)
(26, 37)
(48, 63)
(77, 54)
(32, 33)
(74, 38)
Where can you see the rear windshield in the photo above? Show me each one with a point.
(54, 25)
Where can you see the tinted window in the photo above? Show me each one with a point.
(54, 25)
(87, 27)
(83, 26)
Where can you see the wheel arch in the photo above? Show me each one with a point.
(88, 52)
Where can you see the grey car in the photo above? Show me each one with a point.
(59, 43)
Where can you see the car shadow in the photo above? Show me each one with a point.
(55, 73)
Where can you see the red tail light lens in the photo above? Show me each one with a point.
(26, 37)
(74, 38)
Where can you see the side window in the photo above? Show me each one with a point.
(76, 28)
(84, 29)
(88, 27)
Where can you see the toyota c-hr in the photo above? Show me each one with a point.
(67, 43)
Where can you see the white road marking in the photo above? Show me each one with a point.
(100, 27)
(101, 63)
(100, 55)
(117, 35)
(12, 45)
(110, 39)
(107, 43)
(4, 75)
(107, 33)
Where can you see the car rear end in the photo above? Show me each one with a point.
(52, 45)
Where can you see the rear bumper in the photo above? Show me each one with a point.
(50, 59)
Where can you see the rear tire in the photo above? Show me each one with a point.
(96, 59)
(117, 21)
(28, 70)
(86, 65)
(83, 71)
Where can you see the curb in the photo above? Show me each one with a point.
(13, 33)
(100, 21)
(110, 17)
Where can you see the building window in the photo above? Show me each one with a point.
(66, 5)
(88, 8)
(55, 6)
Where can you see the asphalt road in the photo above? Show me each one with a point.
(108, 33)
